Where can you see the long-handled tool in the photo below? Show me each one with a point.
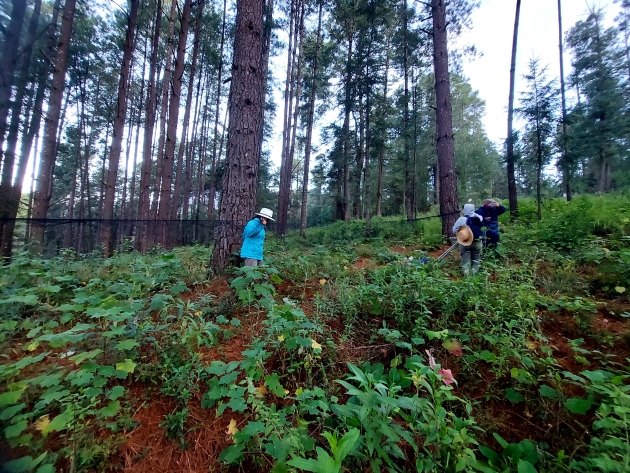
(445, 254)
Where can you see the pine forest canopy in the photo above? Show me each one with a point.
(127, 112)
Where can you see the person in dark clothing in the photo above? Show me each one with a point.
(467, 228)
(490, 212)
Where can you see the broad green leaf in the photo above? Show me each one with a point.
(578, 405)
(116, 392)
(232, 453)
(30, 299)
(88, 355)
(127, 345)
(272, 381)
(346, 444)
(110, 410)
(513, 396)
(549, 392)
(127, 366)
(11, 397)
(16, 429)
(11, 411)
(60, 422)
(21, 465)
(526, 467)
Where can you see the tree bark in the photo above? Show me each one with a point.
(512, 196)
(164, 210)
(9, 62)
(246, 109)
(217, 107)
(449, 204)
(183, 142)
(117, 131)
(166, 82)
(309, 125)
(381, 154)
(285, 177)
(43, 190)
(145, 174)
(346, 128)
(10, 192)
(285, 190)
(409, 204)
(566, 168)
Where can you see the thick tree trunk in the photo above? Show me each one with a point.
(566, 168)
(145, 174)
(117, 131)
(43, 191)
(449, 204)
(164, 210)
(512, 197)
(309, 125)
(246, 109)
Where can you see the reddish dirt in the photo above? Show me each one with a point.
(439, 251)
(405, 250)
(149, 450)
(218, 287)
(364, 263)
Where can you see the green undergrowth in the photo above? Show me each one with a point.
(390, 365)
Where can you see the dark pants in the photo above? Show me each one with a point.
(492, 237)
(471, 255)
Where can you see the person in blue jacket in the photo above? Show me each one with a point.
(254, 237)
(490, 212)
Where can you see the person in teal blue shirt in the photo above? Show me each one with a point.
(254, 237)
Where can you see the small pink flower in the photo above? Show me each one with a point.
(431, 359)
(447, 376)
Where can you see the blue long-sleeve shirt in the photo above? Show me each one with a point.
(253, 240)
(493, 213)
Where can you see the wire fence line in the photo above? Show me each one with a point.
(85, 235)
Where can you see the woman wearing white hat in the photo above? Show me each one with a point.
(254, 237)
(468, 231)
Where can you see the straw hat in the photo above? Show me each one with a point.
(465, 236)
(266, 213)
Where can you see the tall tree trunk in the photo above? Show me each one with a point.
(183, 142)
(566, 168)
(309, 124)
(246, 109)
(10, 192)
(409, 204)
(285, 190)
(166, 84)
(117, 130)
(345, 132)
(381, 154)
(9, 62)
(512, 197)
(449, 204)
(164, 210)
(145, 174)
(217, 107)
(285, 177)
(43, 191)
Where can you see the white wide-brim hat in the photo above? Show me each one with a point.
(266, 213)
(465, 236)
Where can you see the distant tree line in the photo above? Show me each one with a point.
(123, 112)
